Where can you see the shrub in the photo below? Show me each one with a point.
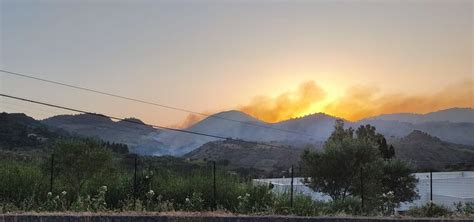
(464, 209)
(254, 199)
(302, 205)
(429, 210)
(26, 184)
(349, 206)
(96, 203)
(6, 207)
(194, 203)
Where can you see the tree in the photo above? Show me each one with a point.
(359, 164)
(398, 185)
(80, 161)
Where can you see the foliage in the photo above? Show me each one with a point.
(429, 210)
(359, 164)
(25, 184)
(81, 161)
(302, 205)
(397, 186)
(255, 199)
(194, 203)
(464, 209)
(96, 203)
(55, 202)
(347, 206)
(168, 183)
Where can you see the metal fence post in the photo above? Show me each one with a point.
(214, 194)
(291, 191)
(362, 191)
(431, 186)
(51, 179)
(135, 184)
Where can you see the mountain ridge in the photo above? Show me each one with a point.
(149, 141)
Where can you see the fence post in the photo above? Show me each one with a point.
(362, 191)
(214, 196)
(431, 186)
(291, 191)
(51, 179)
(135, 184)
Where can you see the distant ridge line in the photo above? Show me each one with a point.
(134, 122)
(149, 103)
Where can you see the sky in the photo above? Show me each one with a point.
(274, 60)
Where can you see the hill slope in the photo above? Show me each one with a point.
(454, 115)
(237, 154)
(426, 151)
(136, 136)
(311, 129)
(418, 148)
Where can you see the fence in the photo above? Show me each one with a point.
(136, 186)
(442, 188)
(125, 218)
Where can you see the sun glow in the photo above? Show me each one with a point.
(356, 102)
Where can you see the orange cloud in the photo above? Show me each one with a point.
(365, 101)
(287, 105)
(357, 103)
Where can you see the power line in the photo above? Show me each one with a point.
(191, 132)
(134, 122)
(122, 128)
(150, 103)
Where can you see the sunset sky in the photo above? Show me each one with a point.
(272, 59)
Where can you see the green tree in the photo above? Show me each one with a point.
(359, 164)
(78, 162)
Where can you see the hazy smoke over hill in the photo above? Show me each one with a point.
(358, 102)
(286, 105)
(361, 102)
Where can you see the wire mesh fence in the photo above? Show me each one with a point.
(441, 188)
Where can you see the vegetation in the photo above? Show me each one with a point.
(430, 210)
(360, 164)
(96, 176)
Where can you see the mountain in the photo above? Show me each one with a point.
(26, 138)
(21, 132)
(298, 132)
(316, 127)
(17, 118)
(454, 115)
(238, 125)
(419, 149)
(238, 154)
(462, 133)
(426, 151)
(138, 137)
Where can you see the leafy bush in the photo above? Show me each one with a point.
(430, 210)
(194, 203)
(349, 206)
(55, 202)
(26, 184)
(96, 203)
(464, 209)
(302, 205)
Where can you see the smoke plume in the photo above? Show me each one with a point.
(287, 105)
